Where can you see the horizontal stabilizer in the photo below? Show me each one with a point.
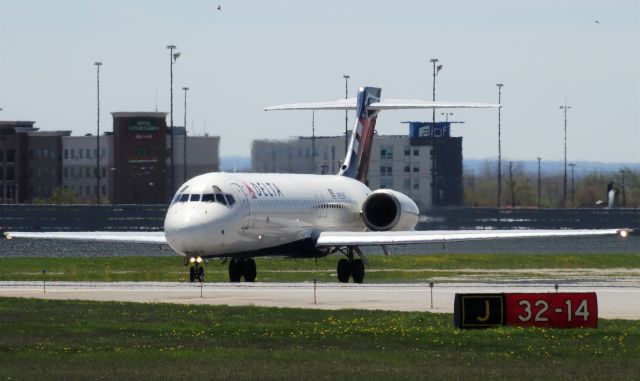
(384, 104)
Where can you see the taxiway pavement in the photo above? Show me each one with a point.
(615, 300)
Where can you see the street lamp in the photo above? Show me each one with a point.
(98, 64)
(446, 115)
(346, 114)
(172, 59)
(185, 132)
(564, 193)
(498, 201)
(436, 70)
(539, 182)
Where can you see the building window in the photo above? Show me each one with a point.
(333, 152)
(104, 172)
(386, 183)
(407, 151)
(407, 169)
(11, 155)
(386, 171)
(88, 173)
(88, 151)
(66, 153)
(45, 153)
(95, 152)
(416, 184)
(104, 190)
(416, 169)
(1, 155)
(1, 173)
(73, 153)
(10, 173)
(386, 152)
(416, 152)
(66, 172)
(80, 153)
(407, 183)
(104, 152)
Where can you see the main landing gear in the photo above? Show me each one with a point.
(196, 269)
(242, 268)
(350, 267)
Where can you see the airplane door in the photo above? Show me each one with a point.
(246, 209)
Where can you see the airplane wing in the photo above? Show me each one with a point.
(443, 236)
(136, 237)
(384, 104)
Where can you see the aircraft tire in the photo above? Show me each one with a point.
(249, 270)
(357, 271)
(192, 274)
(344, 269)
(235, 270)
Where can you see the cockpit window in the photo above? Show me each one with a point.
(208, 197)
(220, 198)
(195, 197)
(230, 199)
(184, 197)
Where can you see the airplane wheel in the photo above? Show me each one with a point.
(201, 274)
(235, 270)
(343, 270)
(249, 270)
(357, 270)
(192, 274)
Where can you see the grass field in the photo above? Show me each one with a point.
(54, 340)
(397, 268)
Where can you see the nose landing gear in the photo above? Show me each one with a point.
(196, 269)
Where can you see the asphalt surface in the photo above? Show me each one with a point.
(615, 299)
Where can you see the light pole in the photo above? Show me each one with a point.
(185, 88)
(498, 200)
(572, 165)
(624, 195)
(446, 115)
(436, 70)
(539, 181)
(346, 114)
(564, 193)
(172, 59)
(98, 64)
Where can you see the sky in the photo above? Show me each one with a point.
(252, 54)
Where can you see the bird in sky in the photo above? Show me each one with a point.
(219, 7)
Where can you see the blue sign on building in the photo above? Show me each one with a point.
(437, 130)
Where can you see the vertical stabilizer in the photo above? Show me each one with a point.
(356, 164)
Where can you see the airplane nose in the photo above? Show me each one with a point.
(185, 231)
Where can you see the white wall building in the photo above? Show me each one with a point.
(394, 162)
(79, 166)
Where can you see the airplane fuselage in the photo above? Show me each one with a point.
(246, 214)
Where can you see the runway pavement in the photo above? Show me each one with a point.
(615, 299)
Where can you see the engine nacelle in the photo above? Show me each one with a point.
(386, 209)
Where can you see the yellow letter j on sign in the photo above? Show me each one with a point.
(478, 310)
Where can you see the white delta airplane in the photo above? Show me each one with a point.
(240, 216)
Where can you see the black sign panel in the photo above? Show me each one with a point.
(479, 310)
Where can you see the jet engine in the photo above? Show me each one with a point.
(386, 209)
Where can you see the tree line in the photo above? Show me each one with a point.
(520, 187)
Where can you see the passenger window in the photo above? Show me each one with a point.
(220, 198)
(208, 197)
(184, 197)
(230, 199)
(195, 197)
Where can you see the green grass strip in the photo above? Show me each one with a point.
(78, 340)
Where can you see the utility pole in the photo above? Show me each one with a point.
(172, 59)
(499, 198)
(436, 70)
(346, 114)
(98, 64)
(185, 132)
(572, 165)
(539, 182)
(624, 195)
(564, 193)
